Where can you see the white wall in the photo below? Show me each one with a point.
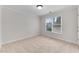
(78, 25)
(0, 26)
(69, 19)
(16, 25)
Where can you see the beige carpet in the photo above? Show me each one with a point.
(40, 44)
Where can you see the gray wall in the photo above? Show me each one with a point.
(16, 25)
(69, 24)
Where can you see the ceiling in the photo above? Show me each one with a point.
(31, 9)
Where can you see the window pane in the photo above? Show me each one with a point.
(57, 24)
(49, 24)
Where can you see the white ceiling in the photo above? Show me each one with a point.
(31, 9)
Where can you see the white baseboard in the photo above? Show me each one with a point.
(78, 42)
(0, 46)
(21, 38)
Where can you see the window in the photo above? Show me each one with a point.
(53, 24)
